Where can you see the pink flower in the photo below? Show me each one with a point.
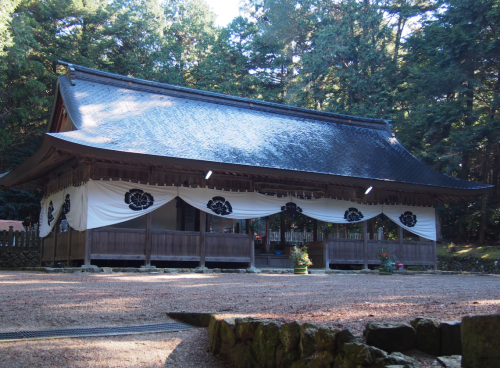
(384, 255)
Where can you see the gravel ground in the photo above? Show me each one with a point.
(39, 301)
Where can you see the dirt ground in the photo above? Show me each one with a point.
(41, 301)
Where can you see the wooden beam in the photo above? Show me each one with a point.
(68, 257)
(120, 257)
(55, 244)
(282, 229)
(88, 247)
(365, 245)
(203, 228)
(148, 242)
(326, 262)
(400, 244)
(251, 253)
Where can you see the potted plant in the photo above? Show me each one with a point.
(300, 260)
(387, 261)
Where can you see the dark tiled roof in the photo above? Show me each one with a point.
(115, 116)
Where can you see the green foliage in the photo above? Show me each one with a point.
(299, 256)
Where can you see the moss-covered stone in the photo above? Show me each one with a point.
(362, 354)
(428, 336)
(214, 335)
(241, 356)
(290, 335)
(396, 359)
(265, 342)
(285, 359)
(302, 363)
(246, 327)
(326, 339)
(480, 341)
(341, 361)
(307, 343)
(344, 337)
(228, 332)
(451, 342)
(322, 359)
(390, 336)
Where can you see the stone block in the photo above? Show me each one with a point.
(362, 354)
(241, 356)
(265, 343)
(307, 343)
(322, 359)
(428, 336)
(214, 335)
(285, 359)
(453, 361)
(451, 342)
(326, 339)
(390, 336)
(290, 336)
(344, 337)
(228, 332)
(246, 327)
(481, 341)
(195, 319)
(53, 270)
(396, 359)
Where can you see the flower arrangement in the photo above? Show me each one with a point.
(387, 261)
(299, 257)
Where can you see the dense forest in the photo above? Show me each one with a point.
(433, 67)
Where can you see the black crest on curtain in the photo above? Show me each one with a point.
(220, 206)
(408, 219)
(138, 199)
(50, 210)
(353, 214)
(292, 207)
(66, 207)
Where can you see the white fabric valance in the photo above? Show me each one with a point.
(102, 203)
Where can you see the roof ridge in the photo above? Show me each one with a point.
(215, 97)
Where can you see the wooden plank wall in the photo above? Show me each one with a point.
(227, 247)
(175, 245)
(118, 244)
(350, 251)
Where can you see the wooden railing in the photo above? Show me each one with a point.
(19, 240)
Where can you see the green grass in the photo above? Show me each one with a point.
(484, 252)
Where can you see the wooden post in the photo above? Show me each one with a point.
(10, 238)
(326, 261)
(251, 243)
(203, 229)
(282, 229)
(55, 244)
(148, 242)
(365, 245)
(68, 257)
(267, 245)
(88, 247)
(400, 246)
(434, 248)
(315, 230)
(22, 245)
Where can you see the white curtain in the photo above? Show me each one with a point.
(418, 220)
(102, 203)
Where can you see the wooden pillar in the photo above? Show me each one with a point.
(434, 248)
(365, 245)
(400, 246)
(56, 226)
(88, 247)
(326, 261)
(268, 232)
(282, 229)
(251, 245)
(315, 230)
(203, 229)
(68, 257)
(148, 241)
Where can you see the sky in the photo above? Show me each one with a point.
(225, 10)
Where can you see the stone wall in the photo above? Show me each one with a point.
(15, 259)
(470, 264)
(250, 342)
